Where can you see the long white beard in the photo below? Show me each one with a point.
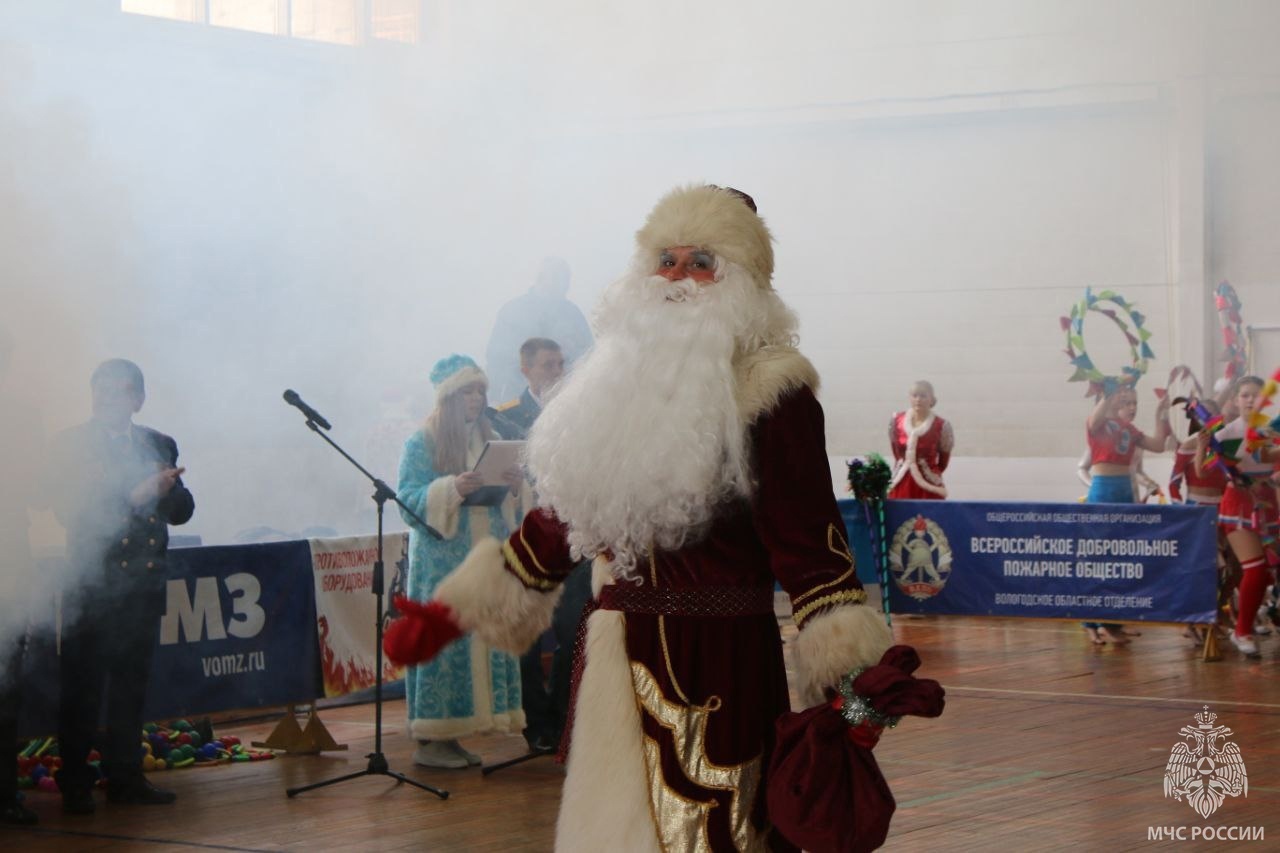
(642, 442)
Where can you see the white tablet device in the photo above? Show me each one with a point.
(496, 458)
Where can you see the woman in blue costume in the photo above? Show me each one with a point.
(1113, 441)
(470, 688)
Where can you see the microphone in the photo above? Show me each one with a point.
(291, 397)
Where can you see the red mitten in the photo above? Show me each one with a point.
(420, 633)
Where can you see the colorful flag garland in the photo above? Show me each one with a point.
(1228, 305)
(1128, 319)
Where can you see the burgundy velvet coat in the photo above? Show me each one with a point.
(709, 688)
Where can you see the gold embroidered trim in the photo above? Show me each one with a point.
(834, 536)
(843, 551)
(532, 556)
(521, 572)
(680, 823)
(662, 634)
(817, 589)
(666, 656)
(848, 596)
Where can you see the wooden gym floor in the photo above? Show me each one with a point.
(1047, 743)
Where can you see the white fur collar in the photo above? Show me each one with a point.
(910, 463)
(767, 375)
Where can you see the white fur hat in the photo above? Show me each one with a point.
(721, 220)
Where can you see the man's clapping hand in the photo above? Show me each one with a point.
(155, 487)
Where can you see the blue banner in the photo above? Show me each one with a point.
(1096, 562)
(238, 631)
(857, 527)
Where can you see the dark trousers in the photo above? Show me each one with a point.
(545, 709)
(107, 645)
(10, 694)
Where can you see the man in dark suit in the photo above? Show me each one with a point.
(545, 706)
(116, 487)
(20, 452)
(542, 364)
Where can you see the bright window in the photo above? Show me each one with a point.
(324, 20)
(176, 10)
(333, 21)
(395, 20)
(257, 16)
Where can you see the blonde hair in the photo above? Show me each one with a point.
(1246, 380)
(448, 424)
(927, 387)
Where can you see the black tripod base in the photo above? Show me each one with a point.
(529, 756)
(377, 767)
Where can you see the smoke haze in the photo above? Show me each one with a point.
(241, 213)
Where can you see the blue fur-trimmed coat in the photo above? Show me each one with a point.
(470, 688)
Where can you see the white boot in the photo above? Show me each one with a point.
(1246, 645)
(1262, 624)
(471, 757)
(439, 753)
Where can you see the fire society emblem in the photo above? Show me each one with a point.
(1204, 770)
(920, 558)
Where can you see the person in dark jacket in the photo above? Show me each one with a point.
(116, 487)
(21, 442)
(542, 365)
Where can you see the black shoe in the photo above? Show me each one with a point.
(78, 801)
(140, 792)
(14, 812)
(540, 742)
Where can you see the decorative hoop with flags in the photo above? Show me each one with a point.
(1128, 320)
(1233, 339)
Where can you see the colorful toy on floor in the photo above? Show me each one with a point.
(177, 746)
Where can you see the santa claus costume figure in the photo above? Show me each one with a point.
(685, 453)
(921, 443)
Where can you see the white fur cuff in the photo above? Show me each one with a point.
(833, 643)
(444, 505)
(491, 603)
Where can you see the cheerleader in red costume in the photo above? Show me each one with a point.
(921, 443)
(1196, 484)
(1247, 514)
(1193, 482)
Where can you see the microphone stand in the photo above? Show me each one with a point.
(533, 753)
(377, 761)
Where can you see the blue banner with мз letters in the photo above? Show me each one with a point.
(238, 630)
(1103, 562)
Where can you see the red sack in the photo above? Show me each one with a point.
(826, 793)
(825, 789)
(420, 633)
